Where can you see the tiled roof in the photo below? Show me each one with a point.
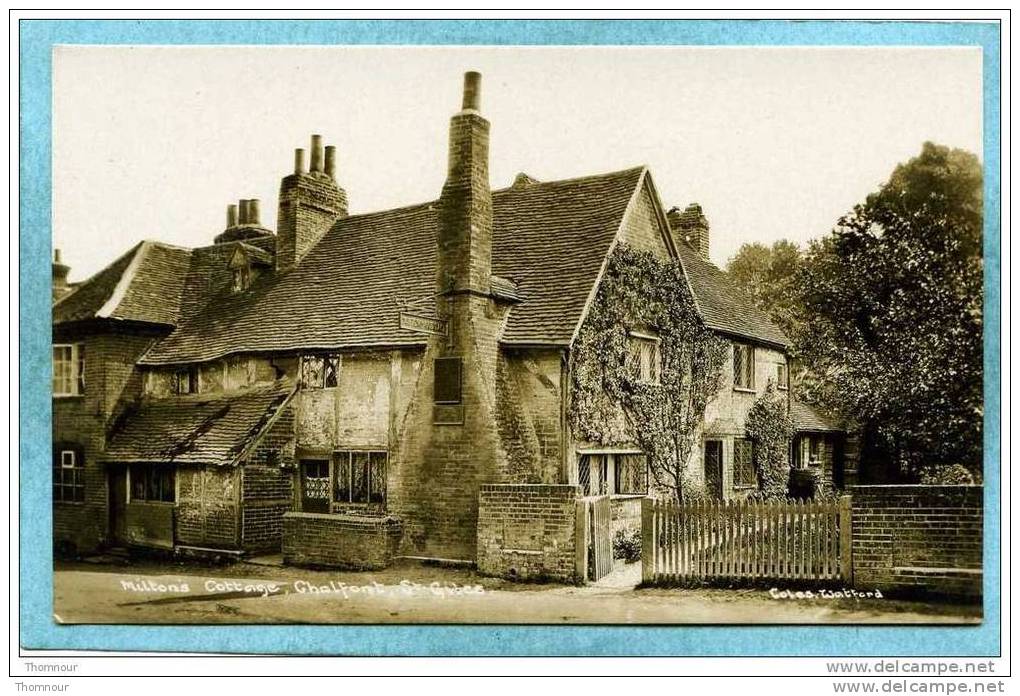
(808, 419)
(549, 240)
(195, 429)
(89, 296)
(722, 305)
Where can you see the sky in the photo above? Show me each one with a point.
(774, 143)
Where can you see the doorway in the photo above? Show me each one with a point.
(117, 496)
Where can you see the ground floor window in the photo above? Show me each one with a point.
(808, 451)
(743, 464)
(359, 477)
(68, 475)
(315, 485)
(613, 473)
(152, 483)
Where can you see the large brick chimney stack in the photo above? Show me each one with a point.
(310, 202)
(465, 205)
(691, 225)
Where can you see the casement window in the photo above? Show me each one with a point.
(185, 381)
(612, 474)
(315, 485)
(359, 477)
(448, 380)
(743, 366)
(68, 475)
(320, 371)
(240, 278)
(68, 369)
(153, 483)
(644, 359)
(810, 451)
(743, 464)
(782, 376)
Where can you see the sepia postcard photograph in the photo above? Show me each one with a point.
(500, 334)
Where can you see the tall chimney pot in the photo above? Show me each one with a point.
(299, 161)
(472, 91)
(253, 211)
(242, 218)
(56, 256)
(316, 154)
(232, 215)
(330, 165)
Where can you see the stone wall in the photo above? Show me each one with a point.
(918, 539)
(341, 541)
(528, 531)
(207, 507)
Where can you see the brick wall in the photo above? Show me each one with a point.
(309, 205)
(529, 413)
(110, 381)
(923, 539)
(528, 531)
(342, 541)
(207, 509)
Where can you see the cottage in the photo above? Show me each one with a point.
(344, 387)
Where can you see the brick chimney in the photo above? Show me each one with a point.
(60, 271)
(691, 226)
(465, 205)
(310, 202)
(242, 222)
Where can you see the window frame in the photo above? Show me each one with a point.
(747, 362)
(188, 376)
(328, 375)
(76, 473)
(451, 360)
(741, 483)
(782, 376)
(342, 464)
(75, 370)
(146, 476)
(608, 469)
(644, 358)
(240, 278)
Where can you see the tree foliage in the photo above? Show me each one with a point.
(768, 275)
(609, 405)
(893, 314)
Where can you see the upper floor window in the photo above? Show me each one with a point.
(68, 475)
(447, 380)
(644, 359)
(320, 371)
(185, 381)
(68, 369)
(743, 366)
(782, 376)
(240, 278)
(744, 475)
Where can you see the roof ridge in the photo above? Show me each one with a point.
(569, 180)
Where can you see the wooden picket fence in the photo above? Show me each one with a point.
(794, 540)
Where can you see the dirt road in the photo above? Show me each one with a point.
(414, 593)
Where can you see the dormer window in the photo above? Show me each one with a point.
(644, 358)
(240, 278)
(185, 381)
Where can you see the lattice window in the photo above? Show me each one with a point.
(782, 377)
(631, 474)
(743, 366)
(320, 371)
(644, 359)
(593, 474)
(743, 464)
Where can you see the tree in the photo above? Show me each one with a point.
(769, 277)
(893, 314)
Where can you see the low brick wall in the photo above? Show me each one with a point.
(528, 531)
(358, 542)
(918, 539)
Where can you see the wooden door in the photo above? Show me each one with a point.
(315, 485)
(117, 478)
(713, 468)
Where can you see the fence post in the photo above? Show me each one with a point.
(647, 548)
(846, 567)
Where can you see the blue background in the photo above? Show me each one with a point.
(37, 627)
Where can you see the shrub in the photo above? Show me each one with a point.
(953, 475)
(627, 545)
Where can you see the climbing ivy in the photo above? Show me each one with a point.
(769, 426)
(610, 405)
